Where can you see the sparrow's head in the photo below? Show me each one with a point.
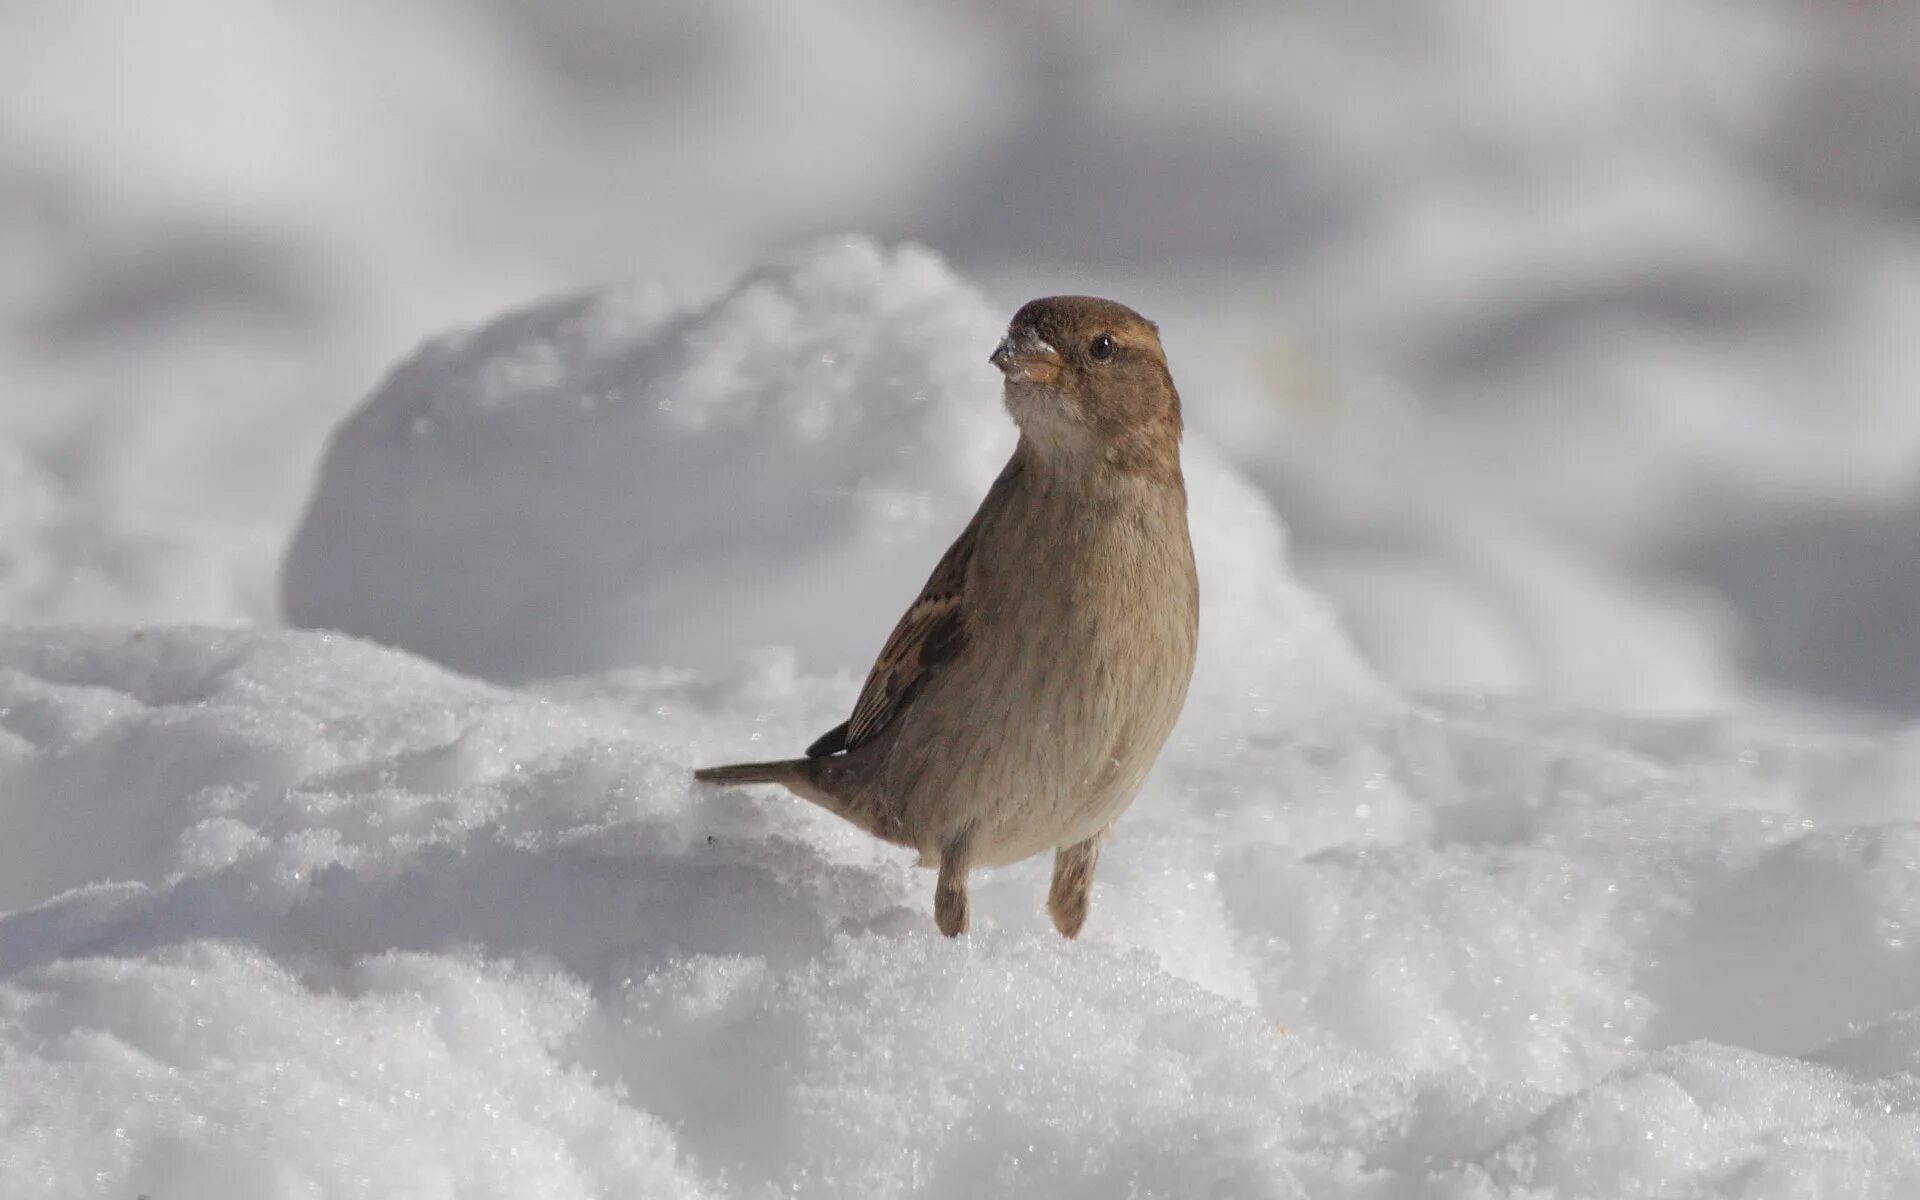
(1088, 377)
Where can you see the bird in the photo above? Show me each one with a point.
(1021, 700)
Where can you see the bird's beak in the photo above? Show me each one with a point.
(1025, 357)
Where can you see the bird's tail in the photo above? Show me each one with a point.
(788, 773)
(819, 780)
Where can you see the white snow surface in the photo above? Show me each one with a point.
(289, 914)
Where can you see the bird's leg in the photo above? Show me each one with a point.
(1072, 890)
(950, 908)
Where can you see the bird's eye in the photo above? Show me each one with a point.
(1102, 348)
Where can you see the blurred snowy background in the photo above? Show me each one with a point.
(1574, 344)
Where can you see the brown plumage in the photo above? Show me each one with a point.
(1021, 700)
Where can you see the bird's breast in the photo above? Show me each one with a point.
(1076, 668)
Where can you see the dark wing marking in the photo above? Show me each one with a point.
(833, 741)
(933, 630)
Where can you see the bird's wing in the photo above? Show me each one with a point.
(933, 630)
(931, 633)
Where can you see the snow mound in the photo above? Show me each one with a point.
(291, 915)
(539, 496)
(612, 478)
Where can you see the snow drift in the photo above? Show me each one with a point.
(290, 915)
(287, 914)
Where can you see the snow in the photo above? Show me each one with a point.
(357, 926)
(289, 913)
(1552, 458)
(610, 478)
(60, 560)
(1481, 296)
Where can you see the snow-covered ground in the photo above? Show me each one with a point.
(365, 928)
(293, 915)
(1554, 459)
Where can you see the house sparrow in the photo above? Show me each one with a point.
(1023, 697)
